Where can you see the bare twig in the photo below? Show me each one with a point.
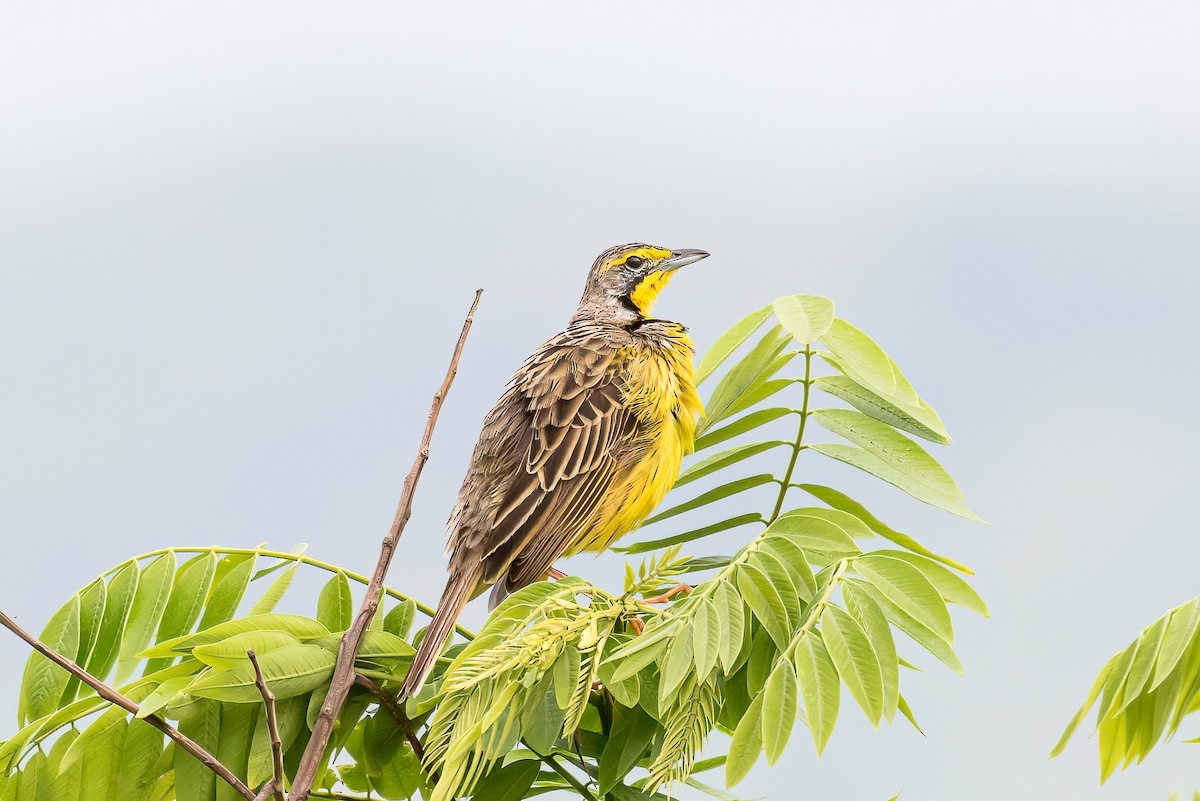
(668, 595)
(113, 697)
(388, 701)
(343, 672)
(266, 792)
(260, 681)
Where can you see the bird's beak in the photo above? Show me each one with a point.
(681, 258)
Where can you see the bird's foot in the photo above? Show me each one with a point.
(637, 625)
(555, 574)
(669, 594)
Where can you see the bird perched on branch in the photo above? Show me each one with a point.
(583, 444)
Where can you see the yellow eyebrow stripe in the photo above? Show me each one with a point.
(648, 253)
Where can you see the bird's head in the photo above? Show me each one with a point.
(625, 280)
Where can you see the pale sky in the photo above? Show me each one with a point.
(237, 242)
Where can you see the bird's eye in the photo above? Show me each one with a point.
(634, 262)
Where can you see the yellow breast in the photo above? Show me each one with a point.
(661, 391)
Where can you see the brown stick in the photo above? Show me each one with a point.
(343, 671)
(113, 697)
(388, 701)
(260, 681)
(266, 792)
(669, 594)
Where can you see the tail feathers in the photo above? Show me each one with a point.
(459, 590)
(500, 591)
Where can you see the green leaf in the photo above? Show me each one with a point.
(676, 665)
(289, 671)
(908, 588)
(154, 587)
(44, 682)
(162, 695)
(725, 458)
(694, 534)
(193, 781)
(542, 718)
(741, 426)
(917, 419)
(1181, 628)
(777, 572)
(628, 740)
(951, 586)
(796, 560)
(891, 446)
(231, 651)
(919, 633)
(140, 754)
(1088, 703)
(824, 530)
(730, 613)
(65, 785)
(637, 655)
(121, 590)
(1142, 667)
(765, 359)
(779, 709)
(706, 639)
(874, 622)
(290, 713)
(507, 783)
(764, 601)
(385, 752)
(399, 618)
(870, 463)
(729, 341)
(229, 587)
(713, 495)
(303, 628)
(746, 744)
(819, 684)
(806, 317)
(266, 604)
(906, 710)
(755, 394)
(857, 355)
(97, 750)
(854, 659)
(335, 606)
(92, 600)
(845, 503)
(233, 747)
(377, 645)
(192, 582)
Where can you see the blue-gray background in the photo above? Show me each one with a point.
(237, 241)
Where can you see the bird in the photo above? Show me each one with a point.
(584, 442)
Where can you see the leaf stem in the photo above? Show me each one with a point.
(796, 446)
(569, 777)
(814, 611)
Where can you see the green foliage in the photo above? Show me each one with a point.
(569, 686)
(1144, 692)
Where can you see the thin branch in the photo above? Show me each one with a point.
(113, 697)
(266, 792)
(569, 777)
(260, 681)
(669, 594)
(798, 444)
(388, 701)
(343, 672)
